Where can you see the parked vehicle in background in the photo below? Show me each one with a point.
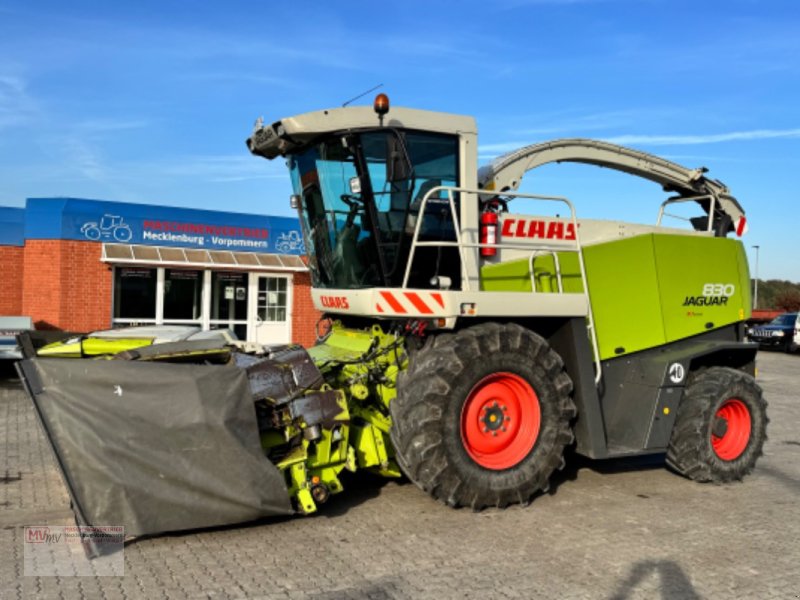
(783, 332)
(10, 328)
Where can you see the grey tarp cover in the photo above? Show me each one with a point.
(155, 447)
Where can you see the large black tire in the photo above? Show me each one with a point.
(711, 395)
(427, 414)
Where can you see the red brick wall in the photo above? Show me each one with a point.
(11, 265)
(305, 316)
(65, 286)
(41, 283)
(86, 284)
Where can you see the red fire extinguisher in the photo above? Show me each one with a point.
(489, 229)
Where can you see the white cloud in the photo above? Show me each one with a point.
(493, 150)
(567, 121)
(681, 140)
(106, 125)
(219, 169)
(489, 150)
(16, 106)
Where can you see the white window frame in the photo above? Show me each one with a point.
(205, 321)
(120, 321)
(253, 308)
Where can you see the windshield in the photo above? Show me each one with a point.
(360, 197)
(784, 320)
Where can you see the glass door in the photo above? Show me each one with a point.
(183, 297)
(272, 309)
(229, 300)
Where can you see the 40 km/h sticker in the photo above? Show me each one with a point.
(676, 372)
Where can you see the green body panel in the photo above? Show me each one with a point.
(624, 292)
(514, 275)
(92, 347)
(646, 290)
(703, 283)
(341, 345)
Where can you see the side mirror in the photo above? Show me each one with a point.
(398, 165)
(294, 201)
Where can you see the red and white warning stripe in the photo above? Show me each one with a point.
(404, 303)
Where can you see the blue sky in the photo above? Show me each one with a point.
(152, 101)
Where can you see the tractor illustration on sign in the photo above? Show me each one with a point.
(110, 227)
(290, 241)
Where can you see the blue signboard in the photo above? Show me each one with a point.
(12, 226)
(116, 222)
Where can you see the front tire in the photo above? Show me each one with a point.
(720, 429)
(482, 416)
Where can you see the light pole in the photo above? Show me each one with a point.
(755, 300)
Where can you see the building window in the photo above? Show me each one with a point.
(183, 293)
(229, 295)
(256, 306)
(272, 298)
(135, 294)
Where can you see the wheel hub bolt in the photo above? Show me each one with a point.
(492, 419)
(720, 427)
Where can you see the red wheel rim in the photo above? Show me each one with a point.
(730, 431)
(500, 421)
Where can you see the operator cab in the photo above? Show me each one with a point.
(359, 189)
(359, 198)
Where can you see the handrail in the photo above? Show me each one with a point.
(532, 246)
(556, 262)
(712, 206)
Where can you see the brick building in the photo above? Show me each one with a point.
(82, 265)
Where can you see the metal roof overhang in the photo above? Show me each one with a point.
(190, 257)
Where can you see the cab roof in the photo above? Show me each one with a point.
(293, 133)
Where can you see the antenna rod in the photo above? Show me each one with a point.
(380, 85)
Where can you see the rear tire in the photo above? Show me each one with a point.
(482, 416)
(720, 429)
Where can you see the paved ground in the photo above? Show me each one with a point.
(606, 531)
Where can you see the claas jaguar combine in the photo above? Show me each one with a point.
(465, 345)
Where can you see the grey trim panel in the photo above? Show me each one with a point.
(571, 342)
(636, 388)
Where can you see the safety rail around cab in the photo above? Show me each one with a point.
(536, 249)
(712, 205)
